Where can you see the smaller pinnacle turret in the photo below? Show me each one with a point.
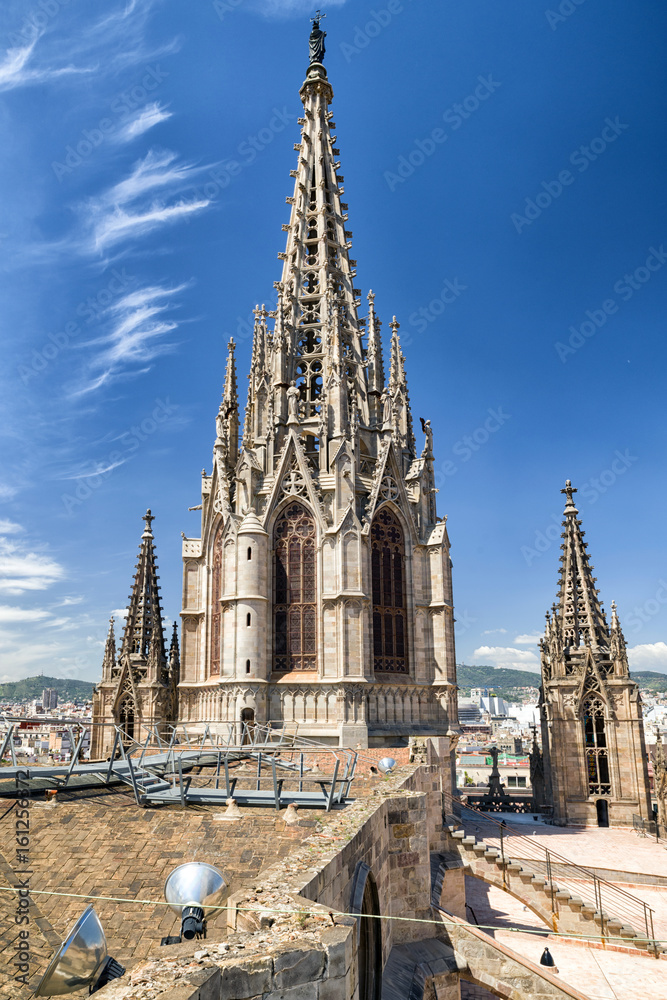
(227, 421)
(144, 614)
(109, 661)
(579, 611)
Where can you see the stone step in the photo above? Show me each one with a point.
(628, 931)
(491, 854)
(469, 841)
(458, 834)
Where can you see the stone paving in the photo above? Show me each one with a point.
(614, 848)
(101, 843)
(602, 975)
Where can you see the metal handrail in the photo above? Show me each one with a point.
(624, 903)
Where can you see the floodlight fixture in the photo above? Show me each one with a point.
(386, 765)
(191, 890)
(81, 961)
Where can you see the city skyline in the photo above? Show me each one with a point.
(503, 188)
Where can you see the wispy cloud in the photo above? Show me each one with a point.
(132, 209)
(16, 69)
(10, 614)
(22, 569)
(136, 327)
(141, 122)
(494, 631)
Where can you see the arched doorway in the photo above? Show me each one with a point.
(365, 901)
(247, 726)
(602, 807)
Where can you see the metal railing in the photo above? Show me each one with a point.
(648, 828)
(610, 901)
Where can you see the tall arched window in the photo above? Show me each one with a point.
(595, 741)
(388, 571)
(294, 590)
(216, 593)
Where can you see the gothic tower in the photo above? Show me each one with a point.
(139, 685)
(592, 727)
(319, 592)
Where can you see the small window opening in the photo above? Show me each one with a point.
(249, 552)
(247, 666)
(248, 619)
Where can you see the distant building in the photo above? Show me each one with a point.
(49, 699)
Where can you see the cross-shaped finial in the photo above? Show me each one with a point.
(148, 518)
(394, 325)
(371, 296)
(318, 17)
(569, 491)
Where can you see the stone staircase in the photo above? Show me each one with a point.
(556, 906)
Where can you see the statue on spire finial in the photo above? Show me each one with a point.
(569, 491)
(316, 40)
(148, 518)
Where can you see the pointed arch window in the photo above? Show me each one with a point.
(595, 744)
(294, 590)
(216, 593)
(390, 653)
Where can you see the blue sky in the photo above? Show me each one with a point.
(504, 167)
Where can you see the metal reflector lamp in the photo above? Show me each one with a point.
(80, 961)
(191, 890)
(386, 765)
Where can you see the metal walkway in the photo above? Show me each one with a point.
(279, 767)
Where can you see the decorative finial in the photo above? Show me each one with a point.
(569, 491)
(371, 296)
(394, 325)
(148, 518)
(316, 40)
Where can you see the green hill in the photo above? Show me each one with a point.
(32, 687)
(505, 682)
(501, 680)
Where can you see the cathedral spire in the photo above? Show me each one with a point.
(143, 625)
(580, 615)
(227, 421)
(109, 661)
(375, 362)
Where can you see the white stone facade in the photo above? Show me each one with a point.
(319, 592)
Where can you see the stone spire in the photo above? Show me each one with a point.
(227, 421)
(143, 625)
(580, 616)
(109, 661)
(375, 371)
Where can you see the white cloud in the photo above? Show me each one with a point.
(7, 492)
(528, 640)
(494, 631)
(15, 71)
(22, 570)
(119, 613)
(10, 614)
(648, 656)
(9, 527)
(143, 120)
(507, 656)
